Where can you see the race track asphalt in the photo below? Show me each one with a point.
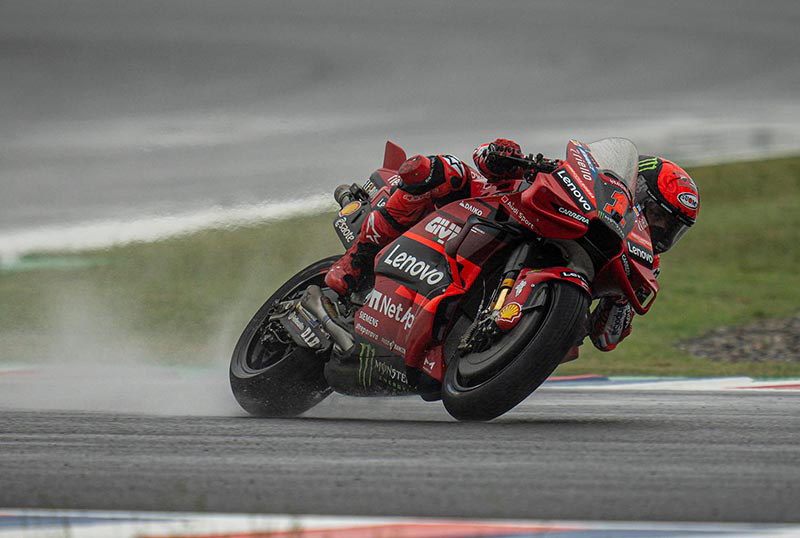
(117, 109)
(563, 454)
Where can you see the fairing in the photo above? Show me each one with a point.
(419, 282)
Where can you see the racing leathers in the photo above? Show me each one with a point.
(427, 182)
(436, 180)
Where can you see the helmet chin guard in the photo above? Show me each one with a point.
(669, 198)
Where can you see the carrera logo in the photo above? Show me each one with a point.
(384, 304)
(419, 269)
(625, 265)
(571, 214)
(640, 253)
(442, 229)
(688, 200)
(344, 229)
(574, 190)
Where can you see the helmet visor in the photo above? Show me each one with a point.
(665, 228)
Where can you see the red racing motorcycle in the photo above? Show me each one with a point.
(475, 305)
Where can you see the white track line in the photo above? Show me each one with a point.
(106, 233)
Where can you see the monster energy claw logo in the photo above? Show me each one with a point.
(648, 164)
(387, 373)
(366, 358)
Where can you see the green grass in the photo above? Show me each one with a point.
(186, 299)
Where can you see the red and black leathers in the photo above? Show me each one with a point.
(427, 182)
(436, 180)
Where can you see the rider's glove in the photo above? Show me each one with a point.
(610, 323)
(498, 168)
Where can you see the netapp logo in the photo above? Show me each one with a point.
(413, 267)
(574, 190)
(384, 304)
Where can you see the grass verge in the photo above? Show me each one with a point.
(186, 299)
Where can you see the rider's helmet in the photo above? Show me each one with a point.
(669, 199)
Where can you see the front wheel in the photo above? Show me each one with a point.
(484, 385)
(270, 375)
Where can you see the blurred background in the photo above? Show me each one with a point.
(114, 110)
(125, 121)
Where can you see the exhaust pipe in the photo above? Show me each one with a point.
(312, 301)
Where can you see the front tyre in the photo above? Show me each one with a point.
(270, 376)
(483, 386)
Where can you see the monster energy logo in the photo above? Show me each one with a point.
(366, 359)
(387, 373)
(648, 164)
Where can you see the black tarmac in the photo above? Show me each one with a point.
(563, 454)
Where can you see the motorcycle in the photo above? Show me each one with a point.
(476, 305)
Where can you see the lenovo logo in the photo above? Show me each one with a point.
(419, 269)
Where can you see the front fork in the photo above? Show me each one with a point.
(484, 330)
(516, 261)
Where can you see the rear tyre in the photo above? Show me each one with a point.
(483, 386)
(272, 377)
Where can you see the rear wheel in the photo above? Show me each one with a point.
(493, 378)
(269, 374)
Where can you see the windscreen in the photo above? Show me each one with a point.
(619, 156)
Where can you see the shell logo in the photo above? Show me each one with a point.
(349, 209)
(510, 312)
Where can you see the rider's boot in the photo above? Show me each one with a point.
(571, 355)
(357, 263)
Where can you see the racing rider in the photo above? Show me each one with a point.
(665, 193)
